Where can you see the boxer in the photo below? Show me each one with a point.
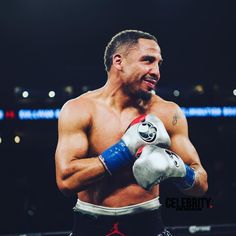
(117, 143)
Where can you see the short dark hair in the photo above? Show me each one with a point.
(124, 38)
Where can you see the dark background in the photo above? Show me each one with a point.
(59, 45)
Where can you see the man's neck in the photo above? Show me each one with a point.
(114, 94)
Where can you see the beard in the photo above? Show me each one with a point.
(138, 95)
(144, 95)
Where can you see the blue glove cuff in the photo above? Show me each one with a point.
(116, 157)
(186, 182)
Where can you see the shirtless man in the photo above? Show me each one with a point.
(114, 142)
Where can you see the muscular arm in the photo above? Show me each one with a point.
(74, 169)
(181, 145)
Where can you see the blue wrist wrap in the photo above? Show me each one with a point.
(188, 180)
(116, 157)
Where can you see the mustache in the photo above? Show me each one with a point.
(151, 77)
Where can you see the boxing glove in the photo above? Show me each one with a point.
(155, 164)
(144, 130)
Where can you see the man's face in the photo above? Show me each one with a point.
(140, 68)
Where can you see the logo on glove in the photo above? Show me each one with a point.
(173, 157)
(147, 131)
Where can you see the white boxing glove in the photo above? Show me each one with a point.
(156, 164)
(144, 130)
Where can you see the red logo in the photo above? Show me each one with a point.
(115, 230)
(10, 114)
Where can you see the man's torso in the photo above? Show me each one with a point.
(108, 126)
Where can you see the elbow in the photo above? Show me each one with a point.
(64, 188)
(202, 191)
(64, 182)
(68, 183)
(68, 187)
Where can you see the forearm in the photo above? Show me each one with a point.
(79, 174)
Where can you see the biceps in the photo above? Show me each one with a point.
(181, 145)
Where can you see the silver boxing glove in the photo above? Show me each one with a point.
(146, 130)
(156, 164)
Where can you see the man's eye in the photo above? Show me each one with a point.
(149, 59)
(160, 63)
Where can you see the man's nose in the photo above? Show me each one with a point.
(155, 71)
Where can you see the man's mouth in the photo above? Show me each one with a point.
(150, 81)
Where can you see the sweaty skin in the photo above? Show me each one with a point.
(96, 120)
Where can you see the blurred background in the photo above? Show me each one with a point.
(52, 51)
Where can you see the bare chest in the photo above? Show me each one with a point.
(109, 126)
(107, 129)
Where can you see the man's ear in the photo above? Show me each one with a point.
(117, 61)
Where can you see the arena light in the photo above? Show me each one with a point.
(0, 140)
(17, 139)
(229, 111)
(209, 111)
(199, 89)
(176, 93)
(38, 114)
(202, 111)
(17, 90)
(68, 89)
(10, 114)
(51, 94)
(52, 114)
(1, 114)
(85, 88)
(25, 94)
(234, 92)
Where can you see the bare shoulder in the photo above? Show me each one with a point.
(77, 112)
(170, 113)
(168, 107)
